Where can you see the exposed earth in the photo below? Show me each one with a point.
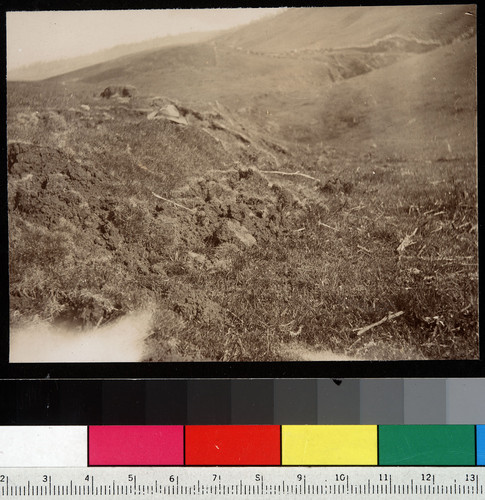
(322, 207)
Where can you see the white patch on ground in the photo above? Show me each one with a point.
(298, 352)
(369, 352)
(120, 341)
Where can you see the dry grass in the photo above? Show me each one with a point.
(336, 268)
(323, 267)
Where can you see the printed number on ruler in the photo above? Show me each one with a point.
(243, 482)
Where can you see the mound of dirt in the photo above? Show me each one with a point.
(46, 185)
(240, 207)
(108, 239)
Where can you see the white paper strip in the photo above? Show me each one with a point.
(49, 446)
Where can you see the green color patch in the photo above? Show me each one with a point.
(426, 445)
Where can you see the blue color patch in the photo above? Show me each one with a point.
(480, 444)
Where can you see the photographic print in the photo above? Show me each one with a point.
(234, 185)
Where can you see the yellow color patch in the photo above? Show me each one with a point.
(329, 444)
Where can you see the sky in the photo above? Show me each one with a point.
(47, 36)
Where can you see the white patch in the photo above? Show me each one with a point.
(121, 341)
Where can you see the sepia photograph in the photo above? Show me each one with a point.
(241, 185)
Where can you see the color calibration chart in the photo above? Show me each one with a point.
(243, 461)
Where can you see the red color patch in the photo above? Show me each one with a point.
(232, 445)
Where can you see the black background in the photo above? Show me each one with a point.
(74, 393)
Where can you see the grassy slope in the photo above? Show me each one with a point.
(204, 73)
(193, 67)
(322, 267)
(327, 28)
(424, 106)
(43, 70)
(330, 28)
(326, 261)
(396, 106)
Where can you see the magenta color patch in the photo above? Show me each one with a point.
(136, 445)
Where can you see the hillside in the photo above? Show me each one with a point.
(202, 73)
(343, 27)
(303, 201)
(49, 69)
(308, 94)
(423, 106)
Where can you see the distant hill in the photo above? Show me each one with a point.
(424, 105)
(203, 72)
(293, 50)
(406, 78)
(343, 27)
(49, 69)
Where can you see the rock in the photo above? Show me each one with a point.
(241, 233)
(232, 231)
(119, 90)
(85, 107)
(169, 112)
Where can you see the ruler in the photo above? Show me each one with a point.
(244, 482)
